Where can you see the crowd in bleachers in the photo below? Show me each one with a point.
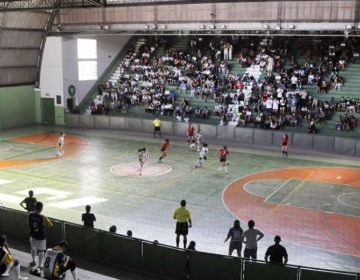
(154, 79)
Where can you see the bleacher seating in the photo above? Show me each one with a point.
(255, 56)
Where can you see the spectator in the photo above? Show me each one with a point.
(276, 252)
(251, 237)
(183, 222)
(58, 263)
(113, 229)
(129, 233)
(7, 261)
(29, 202)
(312, 126)
(192, 245)
(236, 235)
(88, 218)
(37, 224)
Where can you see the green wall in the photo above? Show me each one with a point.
(17, 106)
(22, 105)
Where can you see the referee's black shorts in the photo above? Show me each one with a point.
(182, 228)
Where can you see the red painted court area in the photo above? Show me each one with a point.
(73, 145)
(314, 228)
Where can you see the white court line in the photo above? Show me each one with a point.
(3, 182)
(281, 186)
(338, 198)
(55, 194)
(10, 198)
(77, 202)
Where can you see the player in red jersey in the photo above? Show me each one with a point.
(284, 144)
(163, 149)
(224, 153)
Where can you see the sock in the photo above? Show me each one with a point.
(33, 254)
(73, 273)
(17, 271)
(41, 257)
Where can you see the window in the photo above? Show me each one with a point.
(87, 59)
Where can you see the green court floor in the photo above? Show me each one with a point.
(104, 175)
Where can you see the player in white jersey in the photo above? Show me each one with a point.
(60, 142)
(202, 156)
(57, 263)
(198, 140)
(143, 156)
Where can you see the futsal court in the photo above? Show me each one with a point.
(311, 200)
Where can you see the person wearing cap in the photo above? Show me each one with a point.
(57, 263)
(276, 252)
(183, 222)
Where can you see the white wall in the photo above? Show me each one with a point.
(59, 66)
(51, 75)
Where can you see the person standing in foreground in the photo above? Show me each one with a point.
(276, 252)
(284, 144)
(57, 263)
(60, 142)
(224, 153)
(37, 224)
(143, 156)
(163, 149)
(236, 235)
(29, 202)
(251, 236)
(157, 126)
(88, 218)
(7, 261)
(202, 156)
(183, 222)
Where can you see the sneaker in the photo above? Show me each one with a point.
(7, 273)
(23, 278)
(32, 263)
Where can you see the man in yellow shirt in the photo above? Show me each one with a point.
(157, 126)
(183, 222)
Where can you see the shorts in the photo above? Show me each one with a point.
(163, 150)
(38, 244)
(3, 268)
(222, 159)
(156, 128)
(182, 228)
(250, 253)
(235, 245)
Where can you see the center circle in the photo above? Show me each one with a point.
(133, 169)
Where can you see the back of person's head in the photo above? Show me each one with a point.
(31, 193)
(251, 224)
(88, 208)
(236, 224)
(142, 149)
(167, 140)
(113, 229)
(129, 233)
(277, 239)
(183, 203)
(2, 239)
(192, 245)
(225, 147)
(39, 206)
